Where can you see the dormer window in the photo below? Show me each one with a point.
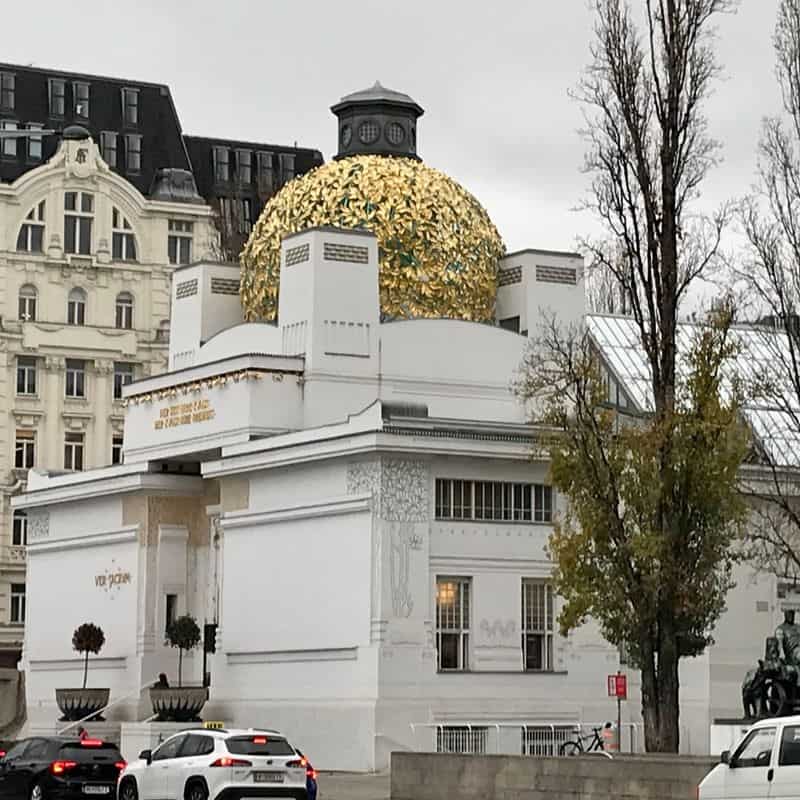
(130, 106)
(31, 234)
(78, 218)
(7, 90)
(222, 167)
(123, 241)
(57, 96)
(80, 98)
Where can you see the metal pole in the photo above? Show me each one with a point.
(619, 720)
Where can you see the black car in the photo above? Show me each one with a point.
(60, 768)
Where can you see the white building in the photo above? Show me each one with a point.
(356, 505)
(85, 265)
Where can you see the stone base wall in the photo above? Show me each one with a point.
(431, 776)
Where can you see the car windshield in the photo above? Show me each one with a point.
(259, 745)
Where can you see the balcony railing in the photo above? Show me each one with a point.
(14, 554)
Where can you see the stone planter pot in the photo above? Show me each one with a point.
(76, 704)
(178, 704)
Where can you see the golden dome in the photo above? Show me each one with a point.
(438, 249)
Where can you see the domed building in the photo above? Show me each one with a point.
(438, 249)
(335, 479)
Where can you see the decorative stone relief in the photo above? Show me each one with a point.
(54, 364)
(404, 490)
(363, 477)
(498, 631)
(401, 535)
(38, 525)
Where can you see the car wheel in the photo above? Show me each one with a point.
(37, 792)
(128, 790)
(196, 791)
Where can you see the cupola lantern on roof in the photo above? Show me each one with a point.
(377, 121)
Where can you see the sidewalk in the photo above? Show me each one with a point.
(351, 786)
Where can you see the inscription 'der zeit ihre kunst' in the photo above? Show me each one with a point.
(184, 414)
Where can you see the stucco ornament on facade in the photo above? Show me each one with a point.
(38, 525)
(497, 630)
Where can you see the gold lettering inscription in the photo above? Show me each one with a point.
(184, 414)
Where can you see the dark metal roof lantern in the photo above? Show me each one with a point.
(377, 121)
(175, 186)
(75, 133)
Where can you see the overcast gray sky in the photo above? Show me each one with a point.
(492, 77)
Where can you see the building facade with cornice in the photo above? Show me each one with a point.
(85, 265)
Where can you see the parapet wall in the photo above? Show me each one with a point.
(434, 776)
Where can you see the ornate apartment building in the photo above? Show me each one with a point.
(95, 214)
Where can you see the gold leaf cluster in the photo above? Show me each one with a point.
(438, 249)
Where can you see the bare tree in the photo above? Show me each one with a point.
(648, 153)
(772, 223)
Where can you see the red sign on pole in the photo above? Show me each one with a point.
(618, 686)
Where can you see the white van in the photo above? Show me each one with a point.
(765, 764)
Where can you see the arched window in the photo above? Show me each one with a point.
(27, 303)
(124, 310)
(76, 307)
(31, 235)
(123, 241)
(162, 334)
(20, 530)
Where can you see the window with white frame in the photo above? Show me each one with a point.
(116, 449)
(179, 242)
(8, 144)
(80, 99)
(122, 239)
(452, 622)
(34, 142)
(26, 375)
(76, 378)
(30, 238)
(19, 528)
(538, 627)
(78, 218)
(57, 94)
(27, 303)
(25, 449)
(76, 307)
(8, 82)
(133, 152)
(17, 603)
(73, 451)
(124, 311)
(130, 106)
(493, 501)
(123, 375)
(108, 147)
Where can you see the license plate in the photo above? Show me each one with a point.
(97, 790)
(268, 777)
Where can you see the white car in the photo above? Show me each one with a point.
(765, 765)
(218, 764)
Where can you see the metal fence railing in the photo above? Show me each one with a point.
(519, 738)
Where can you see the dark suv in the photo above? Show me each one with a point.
(56, 767)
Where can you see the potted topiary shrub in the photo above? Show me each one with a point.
(181, 703)
(83, 703)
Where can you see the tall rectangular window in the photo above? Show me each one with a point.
(130, 106)
(116, 449)
(78, 217)
(244, 166)
(222, 167)
(17, 603)
(8, 144)
(76, 378)
(133, 152)
(266, 172)
(57, 94)
(30, 238)
(170, 609)
(24, 449)
(452, 622)
(108, 147)
(538, 625)
(34, 142)
(80, 99)
(123, 375)
(73, 451)
(26, 375)
(287, 166)
(179, 242)
(19, 533)
(8, 84)
(493, 501)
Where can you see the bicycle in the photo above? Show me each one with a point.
(575, 747)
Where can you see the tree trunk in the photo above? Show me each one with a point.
(85, 668)
(180, 668)
(669, 705)
(650, 705)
